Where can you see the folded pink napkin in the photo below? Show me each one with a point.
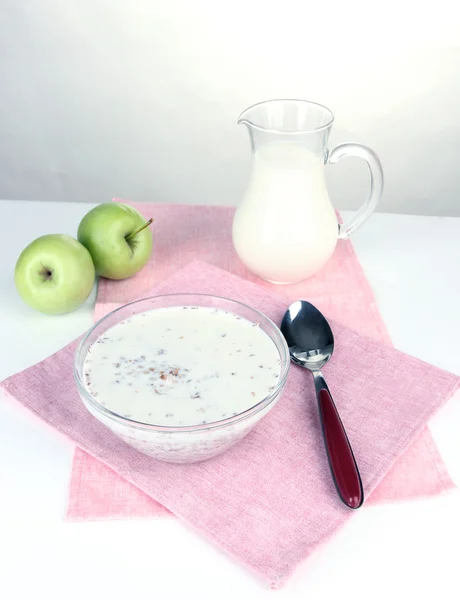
(341, 290)
(270, 500)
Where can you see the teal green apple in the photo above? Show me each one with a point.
(118, 239)
(54, 274)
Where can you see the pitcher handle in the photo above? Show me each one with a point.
(375, 170)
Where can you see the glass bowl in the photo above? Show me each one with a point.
(181, 444)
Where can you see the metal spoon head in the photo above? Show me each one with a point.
(308, 335)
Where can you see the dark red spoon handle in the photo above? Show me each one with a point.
(341, 459)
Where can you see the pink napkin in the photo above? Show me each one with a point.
(183, 233)
(270, 500)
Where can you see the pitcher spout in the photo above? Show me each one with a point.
(254, 116)
(244, 120)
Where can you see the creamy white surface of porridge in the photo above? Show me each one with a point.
(182, 366)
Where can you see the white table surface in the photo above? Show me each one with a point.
(399, 551)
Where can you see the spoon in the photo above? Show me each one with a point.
(311, 344)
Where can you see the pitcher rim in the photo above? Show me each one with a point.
(300, 131)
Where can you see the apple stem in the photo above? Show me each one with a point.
(131, 235)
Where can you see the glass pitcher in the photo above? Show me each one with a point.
(286, 229)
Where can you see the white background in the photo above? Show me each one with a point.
(139, 98)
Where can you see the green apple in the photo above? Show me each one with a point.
(54, 274)
(118, 239)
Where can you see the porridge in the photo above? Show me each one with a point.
(181, 366)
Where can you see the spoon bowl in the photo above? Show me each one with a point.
(308, 335)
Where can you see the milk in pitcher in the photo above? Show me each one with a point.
(285, 229)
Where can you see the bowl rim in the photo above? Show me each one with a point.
(281, 347)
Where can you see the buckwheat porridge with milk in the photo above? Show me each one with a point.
(182, 366)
